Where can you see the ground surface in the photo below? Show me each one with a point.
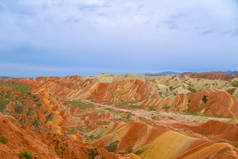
(121, 117)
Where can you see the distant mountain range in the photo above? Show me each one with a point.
(162, 73)
(171, 72)
(232, 72)
(167, 73)
(4, 77)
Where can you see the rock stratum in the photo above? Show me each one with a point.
(182, 116)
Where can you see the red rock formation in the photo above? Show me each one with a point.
(147, 141)
(44, 145)
(161, 143)
(218, 131)
(210, 102)
(127, 90)
(73, 87)
(21, 138)
(213, 102)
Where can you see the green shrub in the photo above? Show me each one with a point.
(234, 83)
(153, 108)
(204, 99)
(72, 131)
(138, 152)
(39, 104)
(192, 90)
(231, 91)
(19, 109)
(136, 106)
(23, 88)
(29, 93)
(35, 98)
(166, 108)
(114, 111)
(125, 103)
(92, 153)
(3, 104)
(30, 111)
(91, 137)
(36, 123)
(80, 104)
(112, 147)
(8, 93)
(3, 140)
(49, 117)
(26, 154)
(221, 141)
(109, 103)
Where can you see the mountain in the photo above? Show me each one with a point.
(4, 77)
(162, 73)
(227, 76)
(127, 116)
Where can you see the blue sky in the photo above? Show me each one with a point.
(88, 37)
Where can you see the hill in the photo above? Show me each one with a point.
(122, 117)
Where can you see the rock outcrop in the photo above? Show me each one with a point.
(150, 142)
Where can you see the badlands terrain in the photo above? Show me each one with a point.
(182, 116)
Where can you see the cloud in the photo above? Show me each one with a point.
(235, 33)
(105, 33)
(118, 14)
(207, 32)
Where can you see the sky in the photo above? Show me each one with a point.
(89, 37)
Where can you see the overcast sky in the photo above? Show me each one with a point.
(88, 37)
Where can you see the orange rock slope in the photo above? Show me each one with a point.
(218, 131)
(149, 142)
(75, 87)
(44, 126)
(49, 121)
(47, 146)
(211, 101)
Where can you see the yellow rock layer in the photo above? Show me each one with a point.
(166, 146)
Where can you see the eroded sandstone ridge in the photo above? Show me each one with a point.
(120, 116)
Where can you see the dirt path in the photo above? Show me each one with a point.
(173, 116)
(230, 107)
